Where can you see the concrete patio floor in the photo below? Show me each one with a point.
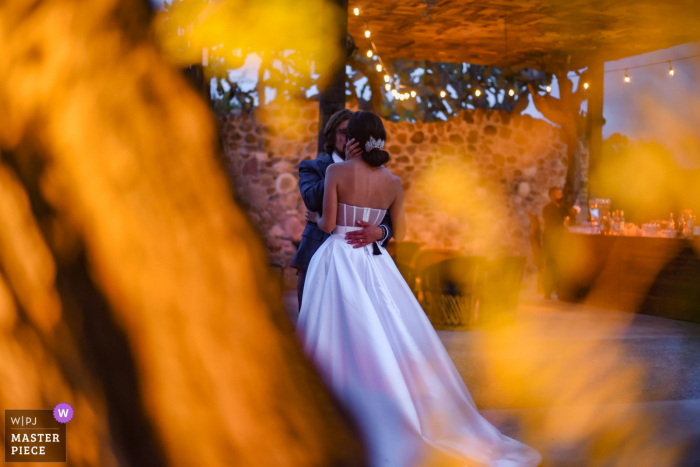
(585, 386)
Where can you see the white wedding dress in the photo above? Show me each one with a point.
(374, 347)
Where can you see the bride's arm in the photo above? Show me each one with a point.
(398, 216)
(330, 201)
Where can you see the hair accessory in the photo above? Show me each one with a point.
(374, 143)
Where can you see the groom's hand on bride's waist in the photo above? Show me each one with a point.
(369, 234)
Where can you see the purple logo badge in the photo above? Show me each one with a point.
(63, 413)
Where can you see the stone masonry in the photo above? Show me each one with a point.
(468, 182)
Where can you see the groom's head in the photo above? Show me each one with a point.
(334, 132)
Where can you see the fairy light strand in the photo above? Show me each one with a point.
(652, 64)
(396, 86)
(391, 84)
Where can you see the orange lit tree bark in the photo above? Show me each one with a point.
(131, 286)
(566, 112)
(374, 80)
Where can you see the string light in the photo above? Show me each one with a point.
(386, 79)
(387, 86)
(367, 34)
(356, 11)
(549, 88)
(585, 85)
(627, 78)
(413, 93)
(511, 93)
(379, 67)
(477, 93)
(652, 64)
(443, 93)
(670, 69)
(370, 54)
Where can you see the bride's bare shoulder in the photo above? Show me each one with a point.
(390, 175)
(392, 180)
(336, 168)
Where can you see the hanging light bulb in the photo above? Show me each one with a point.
(585, 85)
(356, 11)
(443, 93)
(477, 93)
(627, 78)
(367, 33)
(379, 67)
(511, 93)
(395, 93)
(387, 87)
(549, 88)
(386, 78)
(370, 53)
(413, 93)
(670, 69)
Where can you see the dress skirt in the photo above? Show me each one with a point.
(377, 351)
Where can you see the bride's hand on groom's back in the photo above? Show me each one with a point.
(312, 216)
(352, 150)
(369, 234)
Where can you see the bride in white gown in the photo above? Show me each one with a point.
(371, 341)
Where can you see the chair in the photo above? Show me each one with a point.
(425, 258)
(449, 291)
(408, 275)
(403, 252)
(502, 283)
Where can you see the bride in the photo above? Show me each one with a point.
(371, 341)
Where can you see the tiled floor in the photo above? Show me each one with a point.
(583, 385)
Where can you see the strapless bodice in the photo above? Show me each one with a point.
(349, 215)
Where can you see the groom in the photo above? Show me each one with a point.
(312, 177)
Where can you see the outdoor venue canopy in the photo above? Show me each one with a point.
(541, 34)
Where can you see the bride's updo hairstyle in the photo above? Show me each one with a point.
(364, 125)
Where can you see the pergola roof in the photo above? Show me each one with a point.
(541, 34)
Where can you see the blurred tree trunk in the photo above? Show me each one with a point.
(332, 92)
(131, 285)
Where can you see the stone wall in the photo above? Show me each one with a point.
(468, 181)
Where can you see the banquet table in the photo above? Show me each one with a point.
(657, 276)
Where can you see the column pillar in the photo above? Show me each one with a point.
(595, 123)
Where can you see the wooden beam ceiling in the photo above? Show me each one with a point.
(548, 35)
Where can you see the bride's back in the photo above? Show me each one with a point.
(363, 186)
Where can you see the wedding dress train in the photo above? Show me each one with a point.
(375, 348)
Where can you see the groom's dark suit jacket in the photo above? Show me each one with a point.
(312, 177)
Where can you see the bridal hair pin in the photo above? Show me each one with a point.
(374, 143)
